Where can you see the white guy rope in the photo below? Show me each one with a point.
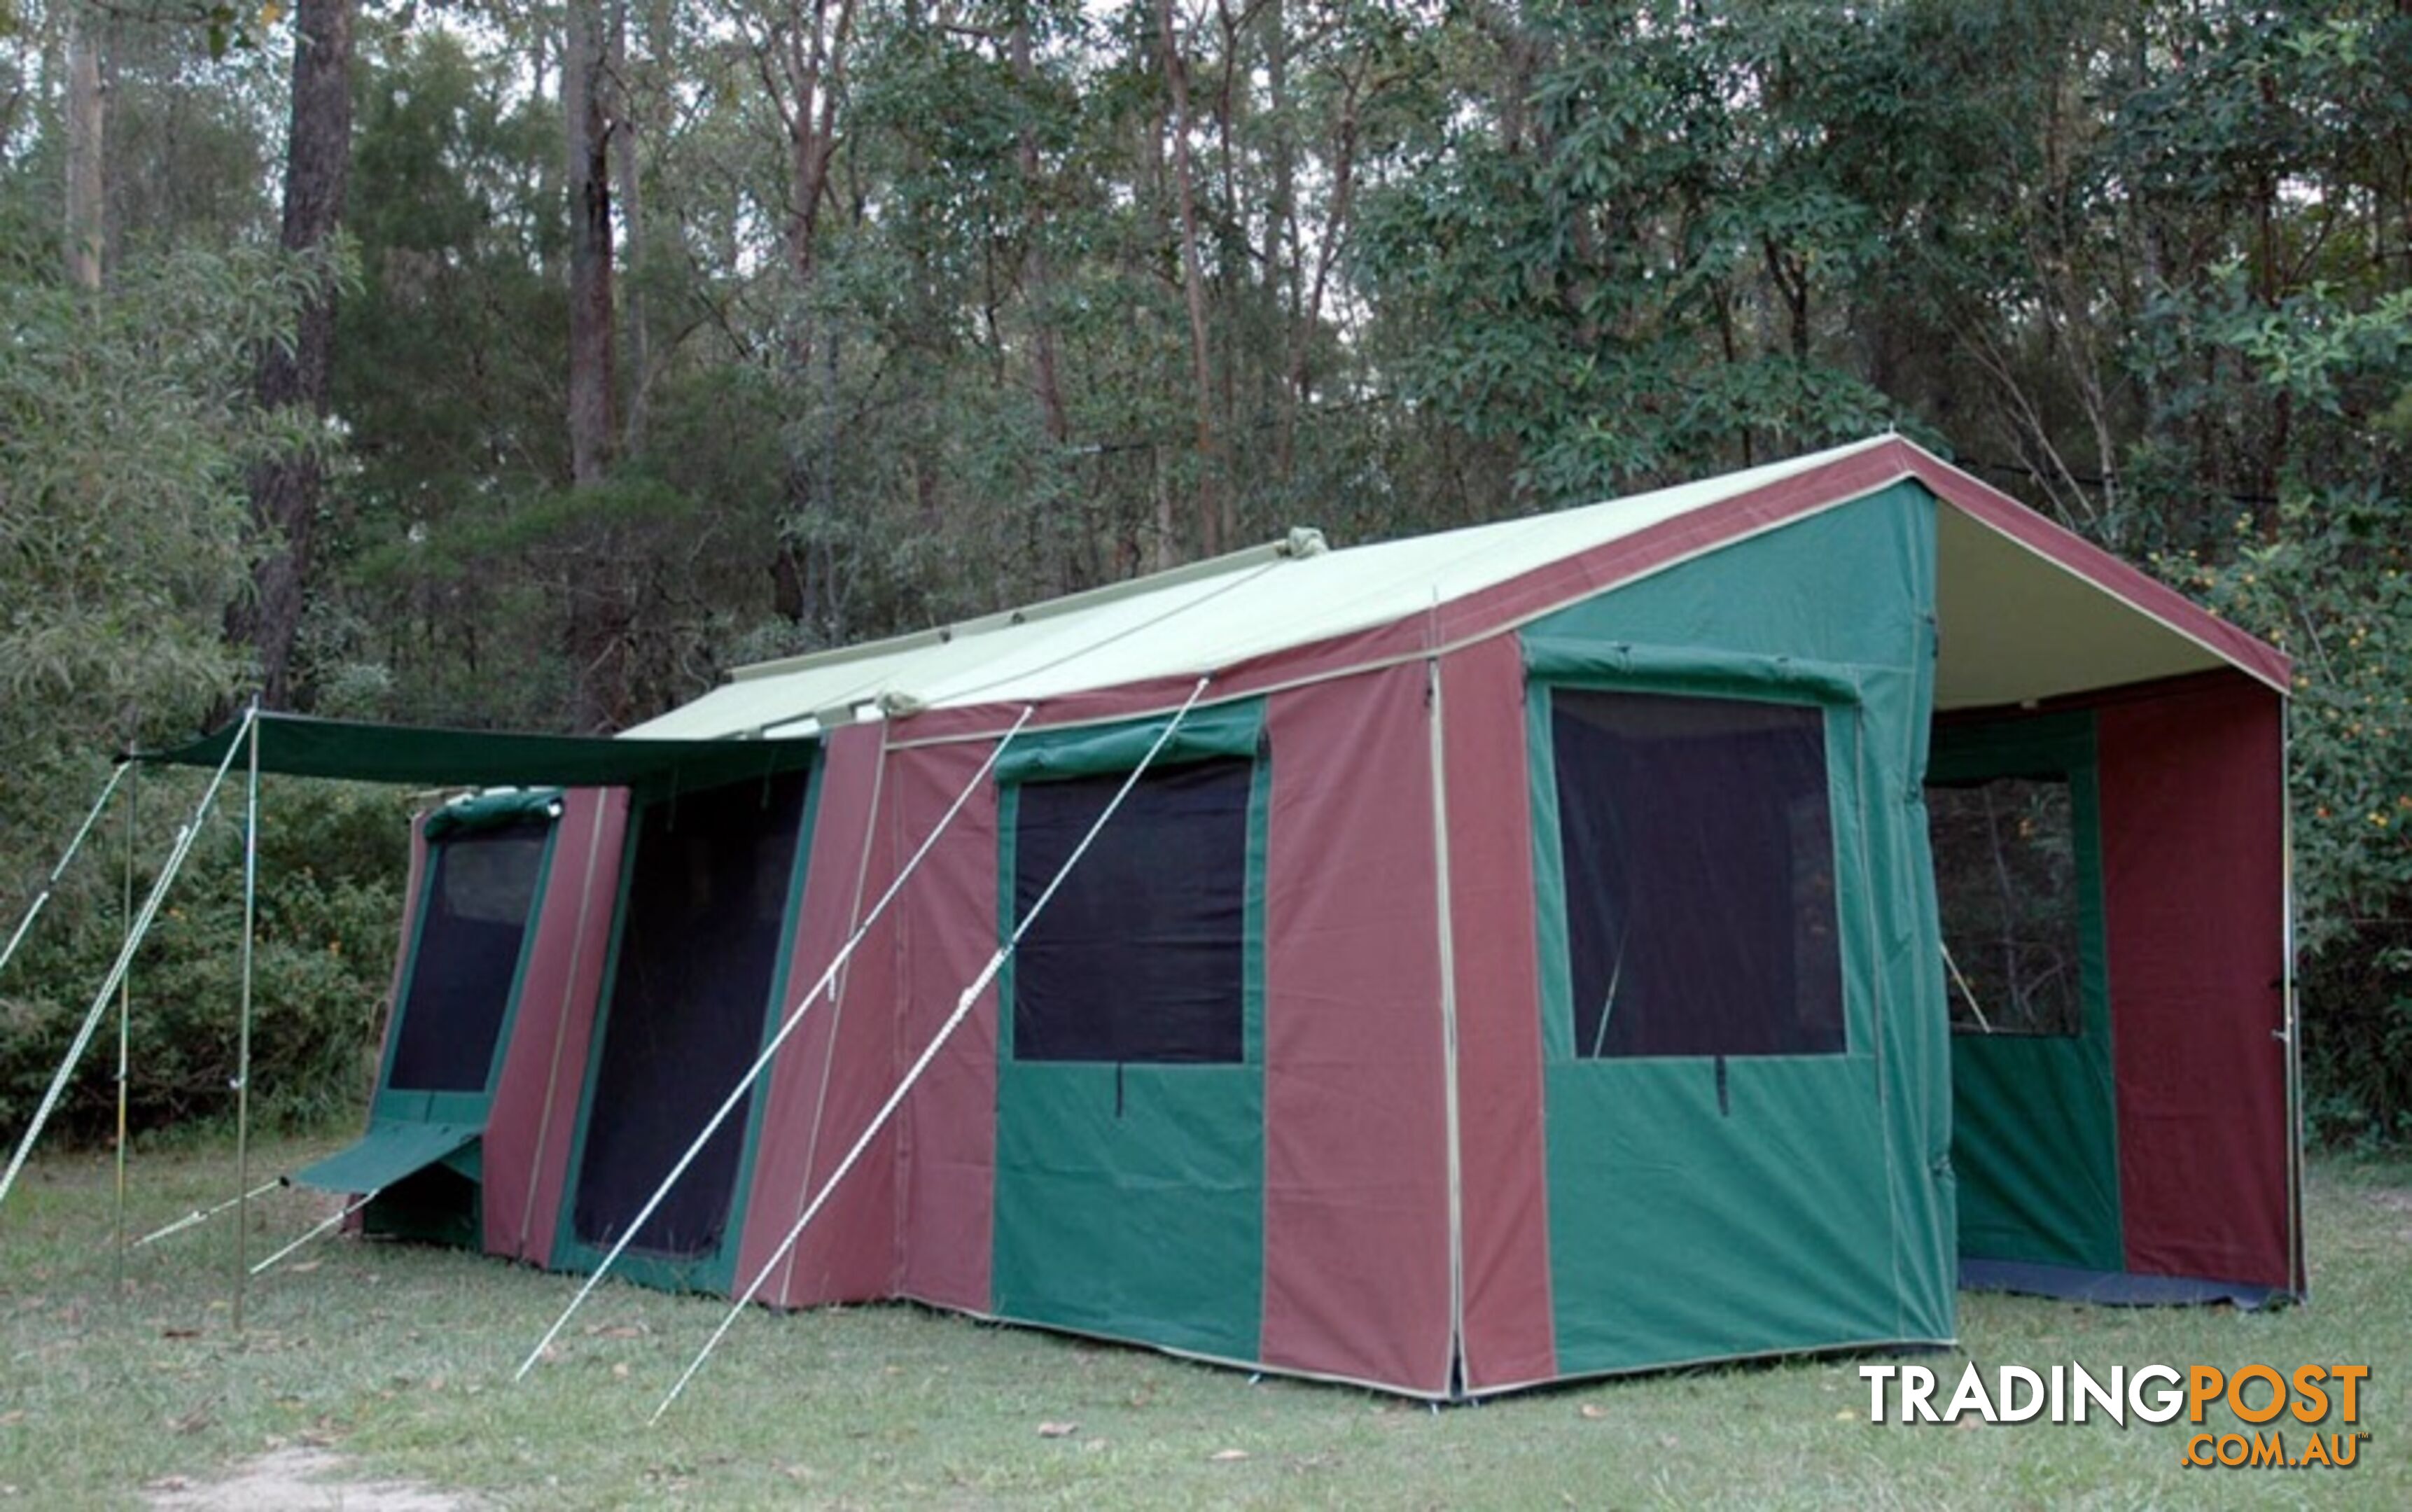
(930, 1052)
(200, 1216)
(761, 1062)
(43, 898)
(185, 839)
(316, 1230)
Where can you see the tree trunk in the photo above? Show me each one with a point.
(1192, 276)
(86, 223)
(627, 170)
(285, 491)
(1036, 276)
(597, 613)
(585, 85)
(804, 85)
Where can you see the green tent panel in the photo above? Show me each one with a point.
(386, 1154)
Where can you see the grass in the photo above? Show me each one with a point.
(400, 1357)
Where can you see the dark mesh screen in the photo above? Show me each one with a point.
(2006, 878)
(1699, 872)
(1138, 955)
(480, 890)
(699, 949)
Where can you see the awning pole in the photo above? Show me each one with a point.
(242, 1031)
(761, 1062)
(929, 1054)
(43, 898)
(125, 1027)
(184, 848)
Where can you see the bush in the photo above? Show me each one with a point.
(332, 862)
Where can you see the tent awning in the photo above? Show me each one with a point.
(425, 756)
(386, 1154)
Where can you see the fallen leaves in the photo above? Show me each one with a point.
(1058, 1430)
(1593, 1411)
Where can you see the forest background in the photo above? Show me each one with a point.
(524, 364)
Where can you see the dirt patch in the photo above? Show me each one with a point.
(295, 1479)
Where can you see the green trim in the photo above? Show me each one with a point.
(1624, 667)
(489, 811)
(404, 1104)
(1128, 1200)
(1232, 729)
(715, 1272)
(2035, 1124)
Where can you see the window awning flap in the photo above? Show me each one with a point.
(386, 1154)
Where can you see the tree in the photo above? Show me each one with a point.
(286, 489)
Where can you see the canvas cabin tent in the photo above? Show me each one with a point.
(1707, 924)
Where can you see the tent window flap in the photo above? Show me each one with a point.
(1697, 840)
(482, 889)
(1140, 956)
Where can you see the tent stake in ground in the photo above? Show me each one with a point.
(787, 1026)
(937, 1042)
(182, 847)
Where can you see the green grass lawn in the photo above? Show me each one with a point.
(400, 1358)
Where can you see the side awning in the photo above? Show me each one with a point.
(386, 1154)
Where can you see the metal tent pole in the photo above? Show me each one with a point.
(763, 1062)
(929, 1054)
(184, 848)
(125, 1025)
(242, 1031)
(43, 898)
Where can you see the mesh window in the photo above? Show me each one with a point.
(706, 910)
(1138, 955)
(1699, 875)
(480, 890)
(2005, 879)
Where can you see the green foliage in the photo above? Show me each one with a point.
(330, 869)
(2330, 578)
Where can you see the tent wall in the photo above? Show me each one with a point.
(1509, 1332)
(1357, 1242)
(1703, 1208)
(945, 930)
(535, 1098)
(2086, 1160)
(1131, 1075)
(2194, 859)
(2034, 1138)
(838, 1067)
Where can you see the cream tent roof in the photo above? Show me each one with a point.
(2026, 612)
